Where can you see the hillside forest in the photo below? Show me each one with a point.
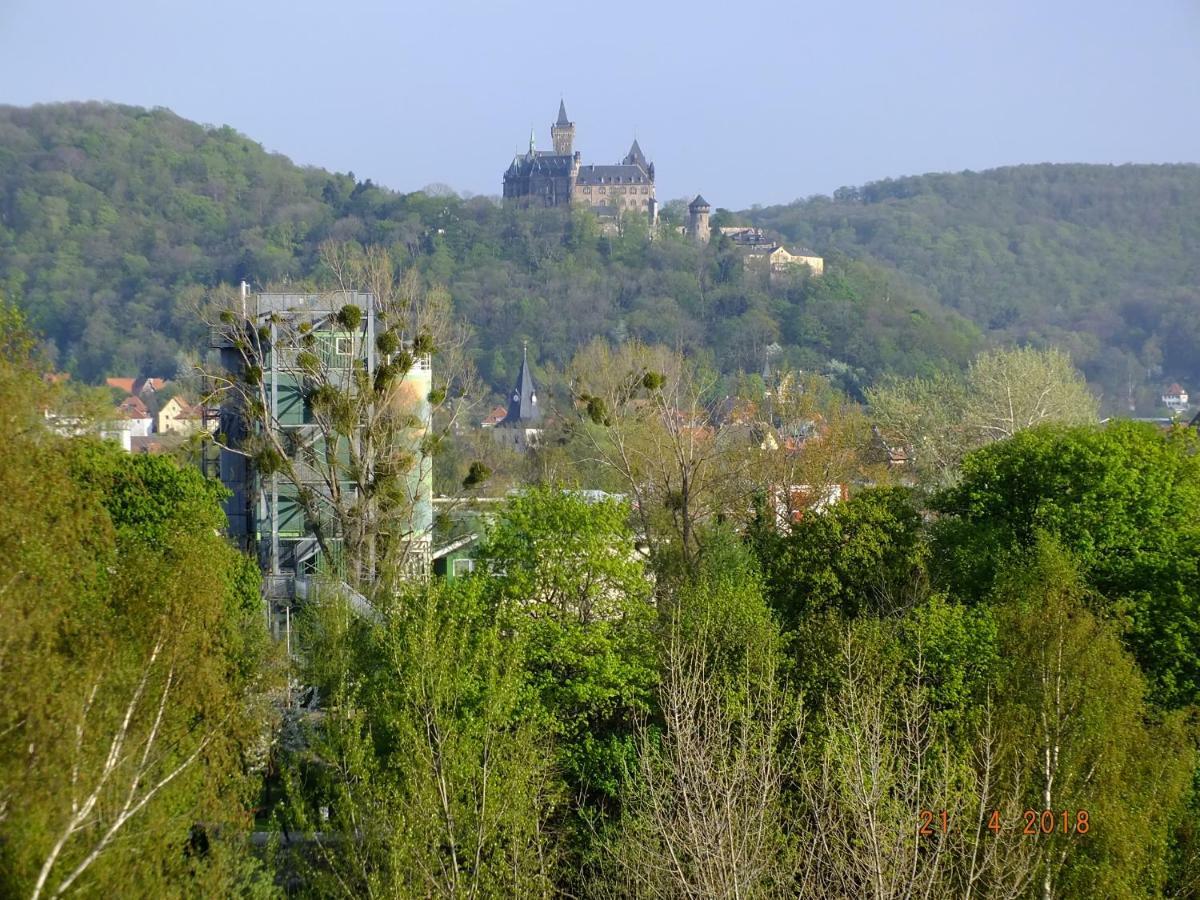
(114, 220)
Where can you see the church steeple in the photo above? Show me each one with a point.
(523, 405)
(562, 132)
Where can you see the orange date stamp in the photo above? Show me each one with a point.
(1034, 822)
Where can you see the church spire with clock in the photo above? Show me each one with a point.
(523, 405)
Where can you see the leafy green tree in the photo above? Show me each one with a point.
(427, 774)
(1124, 500)
(955, 647)
(1075, 707)
(135, 664)
(569, 578)
(865, 555)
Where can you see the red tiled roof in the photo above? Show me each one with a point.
(137, 385)
(134, 408)
(495, 416)
(1175, 390)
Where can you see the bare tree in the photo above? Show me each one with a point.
(896, 811)
(1010, 390)
(705, 811)
(941, 418)
(647, 412)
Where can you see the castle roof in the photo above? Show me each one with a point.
(523, 406)
(539, 162)
(562, 115)
(698, 202)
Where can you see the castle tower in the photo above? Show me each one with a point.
(562, 132)
(697, 227)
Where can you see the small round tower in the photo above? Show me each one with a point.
(697, 227)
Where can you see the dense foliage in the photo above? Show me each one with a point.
(113, 218)
(1124, 500)
(134, 660)
(1100, 260)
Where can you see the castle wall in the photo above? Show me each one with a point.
(623, 197)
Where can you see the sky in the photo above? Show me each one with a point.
(747, 103)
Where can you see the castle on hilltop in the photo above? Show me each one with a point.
(558, 178)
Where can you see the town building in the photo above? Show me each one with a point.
(264, 510)
(177, 416)
(134, 413)
(1175, 398)
(763, 252)
(142, 386)
(494, 418)
(558, 177)
(521, 426)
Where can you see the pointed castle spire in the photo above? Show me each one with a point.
(635, 157)
(563, 121)
(523, 405)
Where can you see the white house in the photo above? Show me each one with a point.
(1175, 399)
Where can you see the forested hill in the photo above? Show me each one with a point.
(114, 219)
(1103, 260)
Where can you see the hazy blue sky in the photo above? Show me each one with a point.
(746, 102)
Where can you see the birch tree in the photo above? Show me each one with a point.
(133, 659)
(1075, 707)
